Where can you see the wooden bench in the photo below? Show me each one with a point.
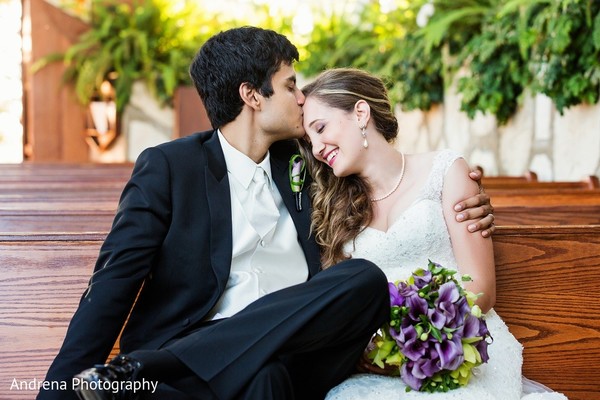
(47, 211)
(518, 183)
(32, 179)
(41, 280)
(528, 176)
(24, 187)
(545, 195)
(52, 222)
(547, 215)
(38, 171)
(559, 207)
(57, 197)
(547, 283)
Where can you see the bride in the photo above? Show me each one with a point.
(373, 202)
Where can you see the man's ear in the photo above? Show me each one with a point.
(250, 96)
(362, 111)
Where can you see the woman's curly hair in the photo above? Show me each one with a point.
(341, 205)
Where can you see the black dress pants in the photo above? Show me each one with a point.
(295, 343)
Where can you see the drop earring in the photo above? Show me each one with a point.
(363, 132)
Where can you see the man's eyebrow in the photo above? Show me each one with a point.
(291, 78)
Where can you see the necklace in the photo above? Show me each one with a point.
(397, 184)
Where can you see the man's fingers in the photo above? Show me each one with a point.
(474, 213)
(489, 231)
(475, 175)
(484, 223)
(473, 201)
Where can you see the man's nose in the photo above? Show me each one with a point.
(300, 98)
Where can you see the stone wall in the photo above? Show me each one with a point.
(556, 147)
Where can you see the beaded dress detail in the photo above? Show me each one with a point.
(419, 234)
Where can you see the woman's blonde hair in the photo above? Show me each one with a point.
(342, 206)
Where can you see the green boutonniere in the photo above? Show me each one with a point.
(297, 174)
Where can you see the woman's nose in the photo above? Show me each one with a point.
(317, 148)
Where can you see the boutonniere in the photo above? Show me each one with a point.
(297, 173)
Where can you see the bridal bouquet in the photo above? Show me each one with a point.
(436, 335)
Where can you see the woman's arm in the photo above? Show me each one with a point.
(477, 209)
(474, 253)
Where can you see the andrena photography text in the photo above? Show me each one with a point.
(114, 387)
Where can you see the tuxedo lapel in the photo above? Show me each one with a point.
(279, 170)
(219, 203)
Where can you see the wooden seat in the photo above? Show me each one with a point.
(547, 283)
(547, 272)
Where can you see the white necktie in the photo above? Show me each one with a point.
(263, 210)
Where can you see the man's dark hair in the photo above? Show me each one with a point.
(230, 58)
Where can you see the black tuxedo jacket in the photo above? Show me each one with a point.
(171, 242)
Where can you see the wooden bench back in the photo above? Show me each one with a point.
(39, 170)
(547, 282)
(546, 198)
(547, 292)
(547, 215)
(547, 207)
(50, 198)
(522, 183)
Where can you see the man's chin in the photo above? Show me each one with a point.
(299, 133)
(293, 135)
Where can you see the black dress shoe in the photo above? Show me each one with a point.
(109, 381)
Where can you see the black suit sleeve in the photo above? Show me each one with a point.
(125, 259)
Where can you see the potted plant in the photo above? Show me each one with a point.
(126, 43)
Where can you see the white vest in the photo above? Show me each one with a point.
(258, 267)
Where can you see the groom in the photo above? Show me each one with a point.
(219, 296)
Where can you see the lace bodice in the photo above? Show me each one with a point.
(419, 234)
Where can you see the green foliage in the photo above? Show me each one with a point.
(546, 46)
(565, 51)
(455, 22)
(495, 72)
(338, 41)
(381, 43)
(416, 74)
(127, 43)
(502, 48)
(149, 40)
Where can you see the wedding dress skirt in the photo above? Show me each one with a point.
(418, 235)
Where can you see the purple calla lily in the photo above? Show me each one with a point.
(417, 306)
(422, 280)
(448, 292)
(437, 318)
(430, 319)
(396, 299)
(451, 354)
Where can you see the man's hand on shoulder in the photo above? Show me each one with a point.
(477, 208)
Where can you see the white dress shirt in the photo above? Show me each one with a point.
(258, 266)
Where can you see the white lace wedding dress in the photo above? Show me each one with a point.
(420, 234)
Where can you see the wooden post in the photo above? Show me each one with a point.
(54, 120)
(190, 114)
